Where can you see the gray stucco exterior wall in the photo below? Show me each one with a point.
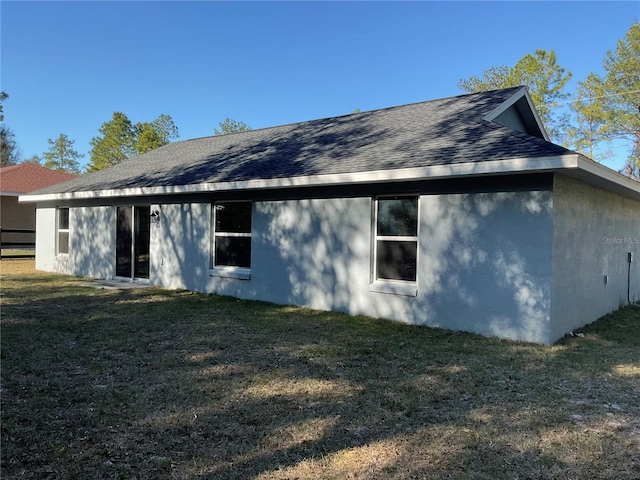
(92, 241)
(180, 246)
(488, 264)
(484, 259)
(594, 232)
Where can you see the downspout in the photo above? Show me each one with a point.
(629, 260)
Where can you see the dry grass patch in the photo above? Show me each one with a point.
(18, 266)
(149, 383)
(627, 370)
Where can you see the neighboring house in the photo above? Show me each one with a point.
(16, 180)
(455, 213)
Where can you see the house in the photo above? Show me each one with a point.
(455, 213)
(14, 181)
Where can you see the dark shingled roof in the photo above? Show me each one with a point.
(438, 132)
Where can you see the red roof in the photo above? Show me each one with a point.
(27, 177)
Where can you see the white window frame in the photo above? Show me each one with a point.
(63, 230)
(228, 271)
(393, 286)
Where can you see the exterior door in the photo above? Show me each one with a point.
(132, 241)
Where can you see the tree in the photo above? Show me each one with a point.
(589, 128)
(611, 102)
(151, 135)
(33, 159)
(122, 140)
(231, 126)
(3, 97)
(622, 103)
(165, 128)
(493, 78)
(61, 155)
(146, 138)
(9, 150)
(115, 145)
(543, 76)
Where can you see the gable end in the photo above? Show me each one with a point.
(518, 113)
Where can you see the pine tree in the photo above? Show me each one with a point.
(61, 155)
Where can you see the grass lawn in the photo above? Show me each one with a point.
(151, 383)
(13, 252)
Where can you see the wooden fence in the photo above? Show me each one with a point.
(17, 243)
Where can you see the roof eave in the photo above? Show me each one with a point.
(596, 174)
(571, 164)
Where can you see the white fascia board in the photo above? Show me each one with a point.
(596, 168)
(523, 92)
(497, 167)
(604, 177)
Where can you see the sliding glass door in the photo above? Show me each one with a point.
(132, 241)
(142, 222)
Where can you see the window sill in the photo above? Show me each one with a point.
(408, 289)
(238, 273)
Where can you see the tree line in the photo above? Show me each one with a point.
(119, 140)
(603, 109)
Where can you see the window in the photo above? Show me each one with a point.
(62, 228)
(232, 235)
(396, 238)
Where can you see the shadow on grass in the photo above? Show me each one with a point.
(158, 384)
(621, 327)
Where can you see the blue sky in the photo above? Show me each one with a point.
(67, 66)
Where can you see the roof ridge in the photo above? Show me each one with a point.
(382, 109)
